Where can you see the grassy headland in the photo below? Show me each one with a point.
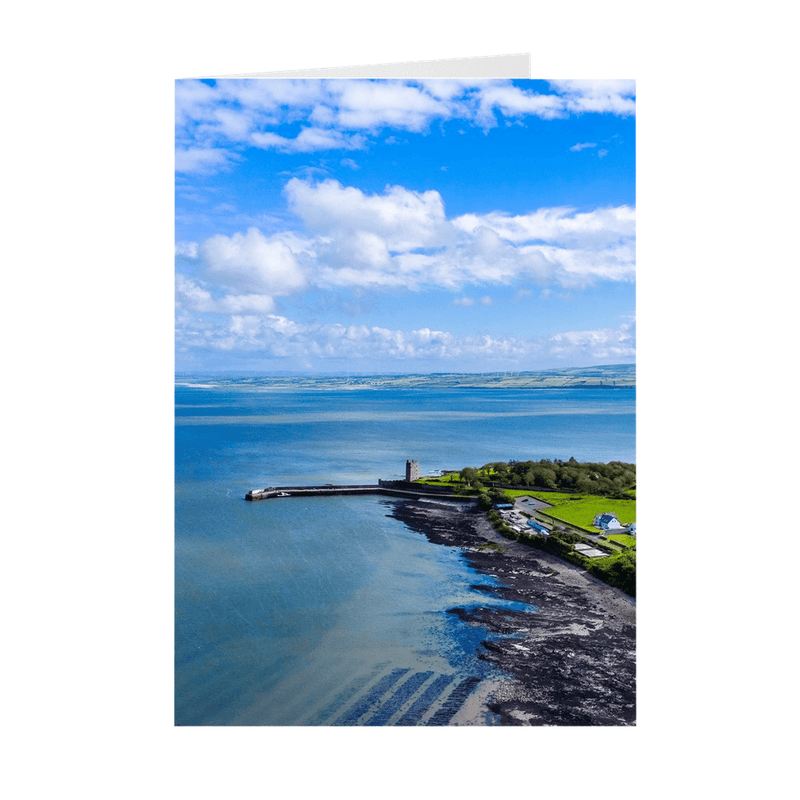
(575, 493)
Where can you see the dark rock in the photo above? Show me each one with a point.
(572, 658)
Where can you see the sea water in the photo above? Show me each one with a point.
(327, 610)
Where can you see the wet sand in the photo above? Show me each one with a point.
(573, 662)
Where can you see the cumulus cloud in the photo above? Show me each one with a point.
(598, 96)
(602, 343)
(274, 336)
(203, 160)
(188, 249)
(237, 304)
(557, 245)
(192, 296)
(404, 239)
(251, 261)
(309, 140)
(513, 101)
(229, 286)
(214, 123)
(560, 225)
(576, 148)
(403, 219)
(372, 105)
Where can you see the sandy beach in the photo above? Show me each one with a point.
(573, 662)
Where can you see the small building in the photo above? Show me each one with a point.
(607, 522)
(540, 529)
(412, 470)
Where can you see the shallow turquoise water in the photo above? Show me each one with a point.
(321, 611)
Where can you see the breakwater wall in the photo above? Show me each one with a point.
(427, 488)
(382, 487)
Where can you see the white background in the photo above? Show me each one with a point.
(88, 327)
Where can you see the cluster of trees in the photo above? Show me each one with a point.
(500, 525)
(473, 477)
(621, 572)
(486, 499)
(610, 480)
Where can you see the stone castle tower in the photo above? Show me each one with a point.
(412, 470)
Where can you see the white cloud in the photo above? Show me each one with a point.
(256, 303)
(188, 249)
(578, 268)
(273, 336)
(271, 96)
(194, 101)
(309, 140)
(251, 262)
(598, 96)
(202, 160)
(563, 226)
(453, 89)
(190, 295)
(276, 336)
(576, 148)
(340, 114)
(403, 239)
(603, 343)
(368, 105)
(233, 125)
(515, 102)
(404, 219)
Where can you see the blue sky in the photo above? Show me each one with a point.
(404, 226)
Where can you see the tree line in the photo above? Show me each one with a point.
(613, 479)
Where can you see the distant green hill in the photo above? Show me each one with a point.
(613, 375)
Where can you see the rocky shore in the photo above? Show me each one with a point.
(573, 662)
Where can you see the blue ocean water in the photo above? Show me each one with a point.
(328, 611)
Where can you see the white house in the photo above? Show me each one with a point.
(607, 522)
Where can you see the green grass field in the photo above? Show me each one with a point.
(618, 568)
(580, 509)
(583, 511)
(577, 509)
(623, 538)
(445, 480)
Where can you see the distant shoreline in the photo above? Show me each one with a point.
(612, 376)
(408, 382)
